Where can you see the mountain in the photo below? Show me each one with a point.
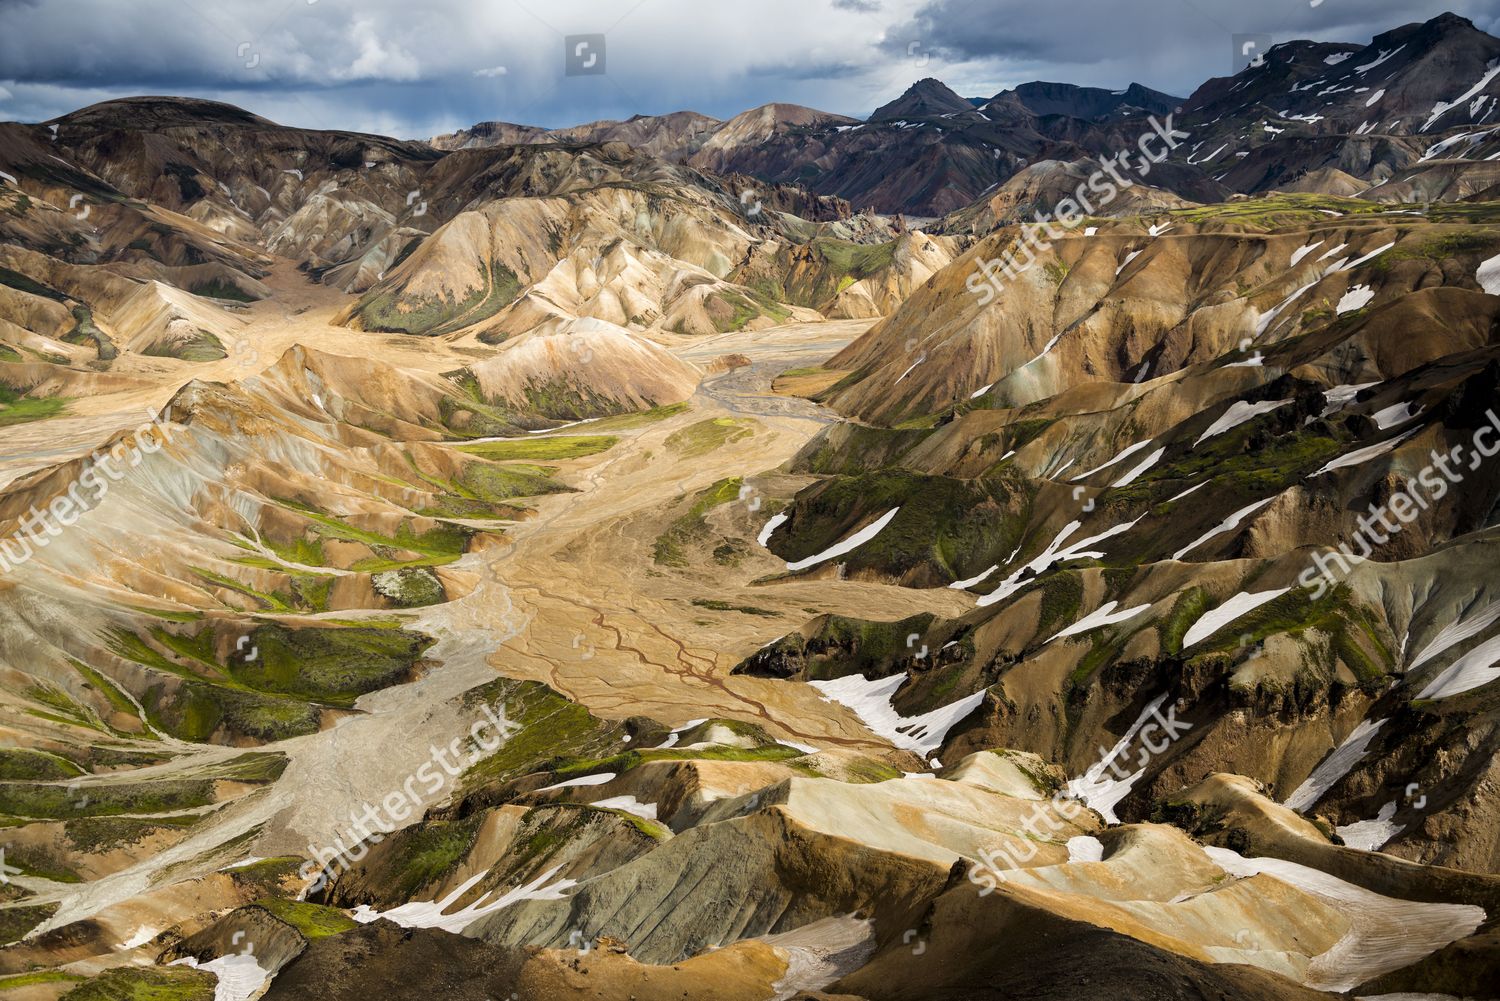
(672, 137)
(1364, 112)
(1093, 102)
(927, 98)
(489, 134)
(926, 153)
(1368, 111)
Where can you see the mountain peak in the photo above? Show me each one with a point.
(927, 98)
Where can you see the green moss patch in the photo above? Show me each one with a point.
(56, 802)
(329, 665)
(541, 449)
(40, 862)
(314, 921)
(392, 311)
(85, 331)
(710, 435)
(432, 850)
(39, 977)
(550, 726)
(95, 835)
(571, 768)
(16, 408)
(724, 606)
(16, 922)
(17, 764)
(947, 529)
(267, 875)
(197, 710)
(692, 528)
(410, 587)
(147, 983)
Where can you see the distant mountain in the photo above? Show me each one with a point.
(927, 98)
(927, 153)
(489, 134)
(673, 137)
(1360, 115)
(1092, 102)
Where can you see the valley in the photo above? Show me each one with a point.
(669, 558)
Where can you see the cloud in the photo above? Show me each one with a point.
(419, 70)
(378, 59)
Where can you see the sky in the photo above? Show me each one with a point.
(418, 68)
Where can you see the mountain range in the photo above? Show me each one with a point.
(1032, 546)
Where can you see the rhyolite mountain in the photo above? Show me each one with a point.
(616, 562)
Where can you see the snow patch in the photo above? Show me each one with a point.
(1443, 107)
(1229, 524)
(1363, 455)
(240, 976)
(964, 585)
(1357, 297)
(1238, 414)
(140, 937)
(431, 914)
(776, 521)
(1340, 397)
(1479, 666)
(1398, 414)
(1085, 848)
(1384, 55)
(1125, 453)
(870, 699)
(1334, 767)
(1241, 604)
(850, 544)
(1386, 933)
(1104, 615)
(1189, 490)
(628, 804)
(1452, 635)
(1372, 835)
(1054, 553)
(1138, 471)
(1099, 787)
(586, 780)
(1488, 275)
(1302, 252)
